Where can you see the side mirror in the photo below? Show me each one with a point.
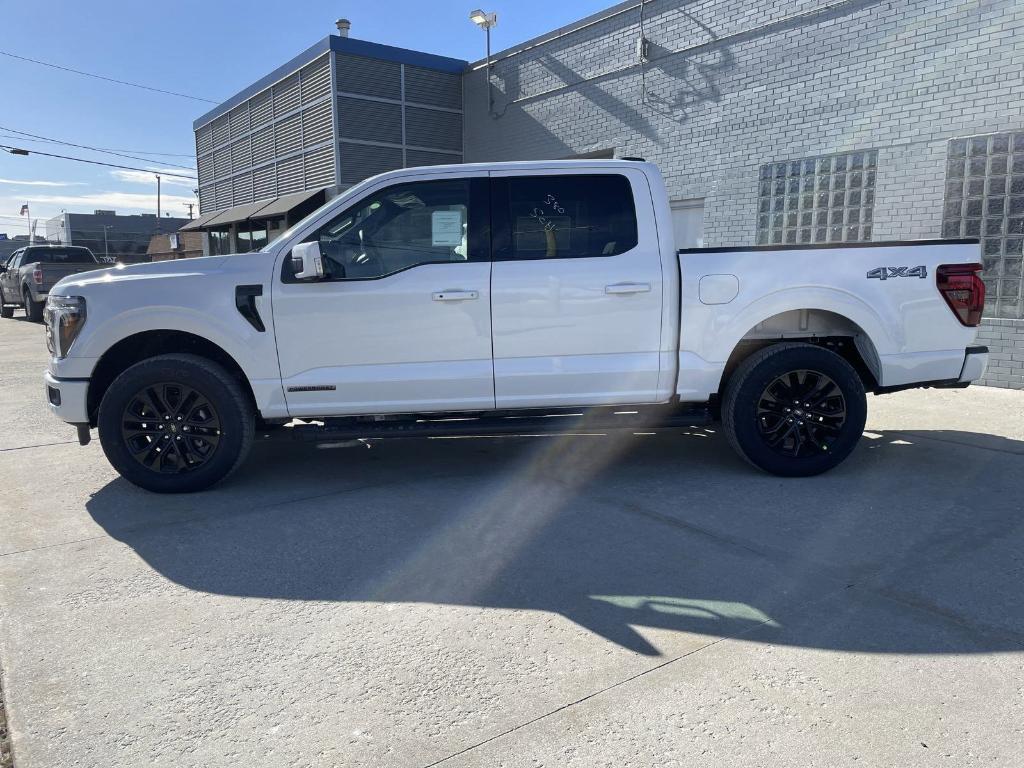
(307, 263)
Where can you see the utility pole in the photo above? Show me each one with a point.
(157, 196)
(106, 248)
(190, 206)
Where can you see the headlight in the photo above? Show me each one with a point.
(63, 317)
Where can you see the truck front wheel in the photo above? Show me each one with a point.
(175, 423)
(794, 409)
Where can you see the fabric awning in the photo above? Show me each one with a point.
(285, 203)
(200, 223)
(238, 213)
(263, 209)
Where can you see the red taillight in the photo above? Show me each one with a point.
(37, 276)
(963, 290)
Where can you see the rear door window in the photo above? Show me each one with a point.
(564, 216)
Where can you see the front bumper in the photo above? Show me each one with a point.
(67, 398)
(975, 363)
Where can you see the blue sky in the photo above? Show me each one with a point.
(209, 49)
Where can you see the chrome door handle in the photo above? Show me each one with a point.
(628, 288)
(455, 295)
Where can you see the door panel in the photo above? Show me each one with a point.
(579, 329)
(403, 322)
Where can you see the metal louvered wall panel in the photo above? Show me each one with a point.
(315, 79)
(204, 139)
(288, 135)
(263, 145)
(240, 156)
(264, 184)
(261, 109)
(223, 194)
(416, 157)
(430, 128)
(360, 161)
(438, 89)
(369, 77)
(316, 124)
(221, 130)
(289, 175)
(369, 120)
(239, 119)
(286, 95)
(222, 162)
(319, 165)
(207, 202)
(205, 167)
(242, 189)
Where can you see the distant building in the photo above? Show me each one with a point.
(337, 113)
(111, 237)
(176, 245)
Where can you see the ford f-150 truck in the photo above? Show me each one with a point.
(508, 298)
(31, 272)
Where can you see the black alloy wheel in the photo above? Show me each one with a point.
(176, 423)
(171, 428)
(801, 413)
(794, 409)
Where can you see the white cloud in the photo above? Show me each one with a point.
(147, 177)
(33, 183)
(45, 206)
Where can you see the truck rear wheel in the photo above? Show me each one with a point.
(6, 310)
(33, 309)
(176, 424)
(794, 409)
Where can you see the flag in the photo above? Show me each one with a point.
(24, 210)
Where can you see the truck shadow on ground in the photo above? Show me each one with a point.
(912, 546)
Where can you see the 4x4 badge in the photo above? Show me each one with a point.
(884, 273)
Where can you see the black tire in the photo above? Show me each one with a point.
(131, 432)
(6, 310)
(33, 309)
(794, 409)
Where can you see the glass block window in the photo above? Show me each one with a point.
(985, 199)
(828, 199)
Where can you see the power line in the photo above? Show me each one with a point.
(92, 149)
(18, 151)
(108, 79)
(98, 149)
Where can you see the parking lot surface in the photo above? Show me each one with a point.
(619, 600)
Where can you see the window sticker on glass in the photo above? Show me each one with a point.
(446, 228)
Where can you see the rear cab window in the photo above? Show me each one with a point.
(68, 255)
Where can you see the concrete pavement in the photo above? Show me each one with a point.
(605, 600)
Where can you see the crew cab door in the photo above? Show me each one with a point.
(401, 321)
(576, 289)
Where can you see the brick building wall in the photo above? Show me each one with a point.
(731, 87)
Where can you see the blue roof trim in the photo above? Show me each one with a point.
(341, 45)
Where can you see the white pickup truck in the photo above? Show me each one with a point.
(504, 299)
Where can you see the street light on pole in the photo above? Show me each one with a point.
(106, 248)
(486, 21)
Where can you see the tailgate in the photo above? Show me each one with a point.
(54, 273)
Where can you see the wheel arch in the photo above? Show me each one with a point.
(817, 326)
(147, 344)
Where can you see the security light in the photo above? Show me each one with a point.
(482, 19)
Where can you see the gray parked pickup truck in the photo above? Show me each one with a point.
(30, 273)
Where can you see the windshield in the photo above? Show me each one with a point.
(69, 255)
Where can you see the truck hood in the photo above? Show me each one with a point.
(162, 270)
